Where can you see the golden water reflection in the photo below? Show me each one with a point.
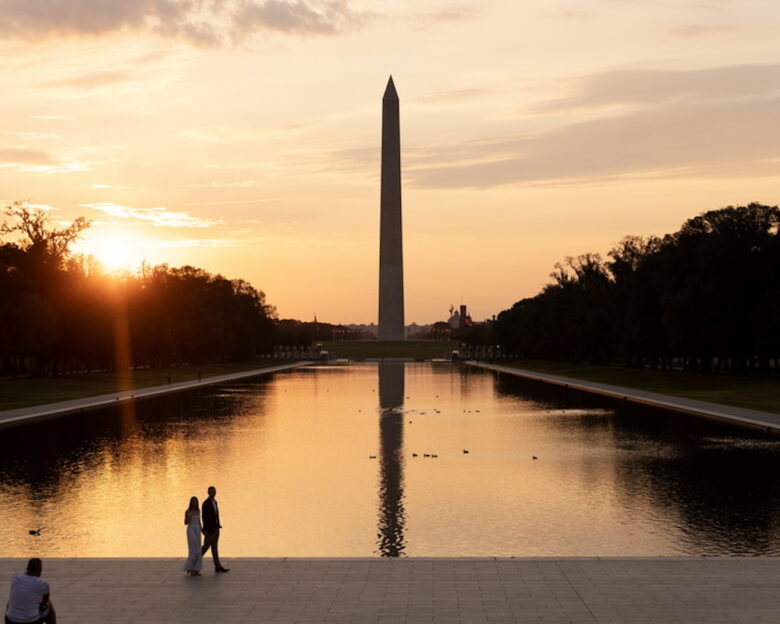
(390, 537)
(320, 462)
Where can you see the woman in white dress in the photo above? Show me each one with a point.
(194, 562)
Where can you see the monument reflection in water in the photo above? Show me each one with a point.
(391, 467)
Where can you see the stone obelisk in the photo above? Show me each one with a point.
(391, 255)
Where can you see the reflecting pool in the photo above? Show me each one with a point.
(390, 459)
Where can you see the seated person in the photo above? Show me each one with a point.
(28, 602)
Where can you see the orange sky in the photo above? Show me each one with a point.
(242, 136)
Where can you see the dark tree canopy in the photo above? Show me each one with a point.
(707, 295)
(59, 313)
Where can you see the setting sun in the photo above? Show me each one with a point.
(113, 256)
(115, 251)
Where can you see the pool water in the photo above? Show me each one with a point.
(391, 459)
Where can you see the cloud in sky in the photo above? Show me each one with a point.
(454, 95)
(717, 121)
(20, 156)
(447, 14)
(732, 140)
(221, 184)
(209, 243)
(38, 161)
(697, 31)
(632, 86)
(94, 79)
(647, 124)
(296, 16)
(223, 134)
(737, 140)
(571, 14)
(160, 217)
(28, 18)
(202, 22)
(32, 136)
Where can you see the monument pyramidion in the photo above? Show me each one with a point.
(391, 254)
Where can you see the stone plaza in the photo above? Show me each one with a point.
(551, 590)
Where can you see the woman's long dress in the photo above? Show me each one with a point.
(195, 559)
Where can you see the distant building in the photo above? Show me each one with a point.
(417, 332)
(459, 319)
(367, 331)
(371, 330)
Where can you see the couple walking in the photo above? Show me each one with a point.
(210, 530)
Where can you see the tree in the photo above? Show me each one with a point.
(705, 296)
(59, 315)
(40, 237)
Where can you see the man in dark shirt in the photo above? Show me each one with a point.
(211, 527)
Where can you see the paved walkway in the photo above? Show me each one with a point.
(22, 415)
(602, 591)
(739, 415)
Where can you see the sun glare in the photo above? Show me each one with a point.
(115, 251)
(113, 255)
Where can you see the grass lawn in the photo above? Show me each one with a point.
(753, 392)
(36, 391)
(359, 349)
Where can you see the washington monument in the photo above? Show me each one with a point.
(391, 253)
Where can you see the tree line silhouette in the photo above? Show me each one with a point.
(60, 314)
(705, 298)
(304, 333)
